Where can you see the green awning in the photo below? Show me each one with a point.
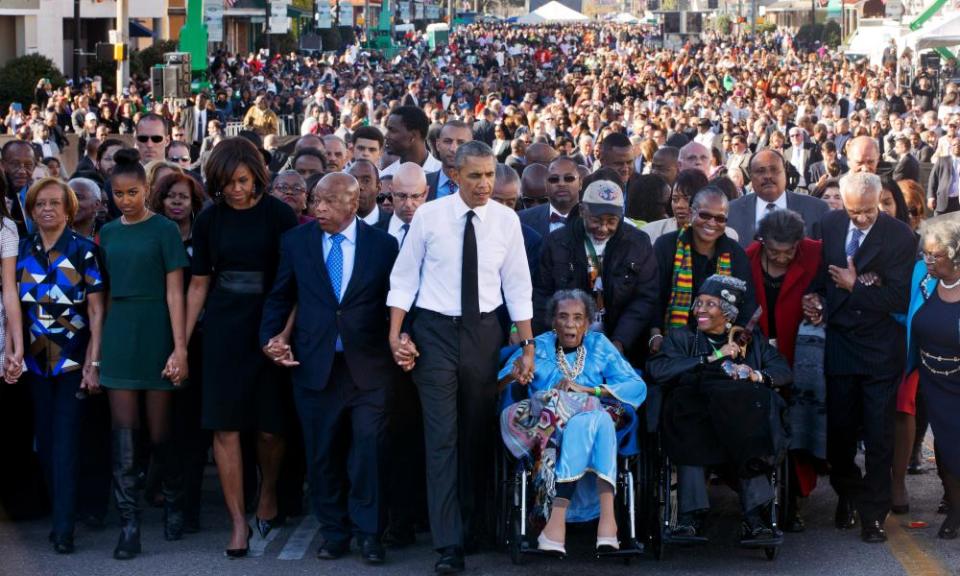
(834, 8)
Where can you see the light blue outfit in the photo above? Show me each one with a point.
(589, 442)
(916, 301)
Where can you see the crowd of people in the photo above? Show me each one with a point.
(332, 309)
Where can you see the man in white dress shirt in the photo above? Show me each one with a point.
(460, 262)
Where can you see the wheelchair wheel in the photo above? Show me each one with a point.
(771, 552)
(516, 541)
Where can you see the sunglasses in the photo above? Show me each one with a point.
(568, 178)
(706, 217)
(381, 198)
(143, 139)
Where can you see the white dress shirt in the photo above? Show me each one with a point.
(395, 229)
(373, 217)
(850, 229)
(349, 248)
(431, 164)
(780, 203)
(556, 225)
(429, 268)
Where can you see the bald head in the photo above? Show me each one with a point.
(336, 198)
(533, 185)
(409, 178)
(409, 190)
(863, 154)
(695, 156)
(540, 153)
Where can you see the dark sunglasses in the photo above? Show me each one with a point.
(568, 178)
(155, 139)
(381, 198)
(706, 217)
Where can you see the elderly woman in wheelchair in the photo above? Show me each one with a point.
(721, 407)
(582, 391)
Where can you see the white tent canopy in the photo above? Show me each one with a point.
(941, 34)
(552, 12)
(625, 18)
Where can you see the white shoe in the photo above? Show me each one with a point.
(545, 544)
(608, 542)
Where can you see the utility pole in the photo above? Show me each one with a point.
(76, 43)
(266, 28)
(123, 32)
(451, 12)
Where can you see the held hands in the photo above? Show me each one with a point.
(176, 369)
(844, 278)
(568, 385)
(278, 350)
(91, 379)
(13, 368)
(404, 351)
(523, 368)
(870, 279)
(813, 308)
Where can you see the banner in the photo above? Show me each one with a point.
(405, 11)
(418, 10)
(324, 17)
(433, 12)
(346, 13)
(213, 18)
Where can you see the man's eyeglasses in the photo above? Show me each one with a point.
(290, 190)
(567, 178)
(400, 196)
(381, 198)
(20, 166)
(143, 138)
(718, 218)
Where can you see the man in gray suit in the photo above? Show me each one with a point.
(768, 177)
(563, 192)
(943, 189)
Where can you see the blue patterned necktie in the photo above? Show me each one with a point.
(405, 228)
(335, 263)
(854, 243)
(452, 187)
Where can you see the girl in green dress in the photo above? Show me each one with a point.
(144, 346)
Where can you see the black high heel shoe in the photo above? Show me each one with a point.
(240, 552)
(265, 526)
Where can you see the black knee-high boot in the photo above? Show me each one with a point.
(172, 471)
(126, 493)
(949, 528)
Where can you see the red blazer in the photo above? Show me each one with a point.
(789, 307)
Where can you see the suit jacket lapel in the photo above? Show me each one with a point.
(315, 250)
(751, 224)
(870, 246)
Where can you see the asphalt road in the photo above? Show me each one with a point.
(821, 550)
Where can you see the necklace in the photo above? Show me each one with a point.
(951, 286)
(923, 358)
(569, 373)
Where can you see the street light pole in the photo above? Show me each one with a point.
(76, 44)
(123, 31)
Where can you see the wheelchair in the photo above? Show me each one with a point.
(666, 504)
(634, 504)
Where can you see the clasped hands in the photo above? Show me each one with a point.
(278, 350)
(175, 369)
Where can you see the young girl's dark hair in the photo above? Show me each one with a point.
(128, 163)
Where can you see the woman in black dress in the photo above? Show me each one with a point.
(933, 342)
(236, 246)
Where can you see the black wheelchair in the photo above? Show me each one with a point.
(635, 506)
(663, 478)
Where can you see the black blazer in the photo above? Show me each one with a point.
(433, 180)
(907, 168)
(938, 186)
(863, 337)
(360, 318)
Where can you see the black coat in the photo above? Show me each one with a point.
(709, 418)
(629, 276)
(863, 337)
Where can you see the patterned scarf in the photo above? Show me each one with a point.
(681, 292)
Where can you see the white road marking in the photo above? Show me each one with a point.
(300, 540)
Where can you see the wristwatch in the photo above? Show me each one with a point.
(528, 342)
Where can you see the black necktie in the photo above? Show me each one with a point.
(470, 286)
(557, 219)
